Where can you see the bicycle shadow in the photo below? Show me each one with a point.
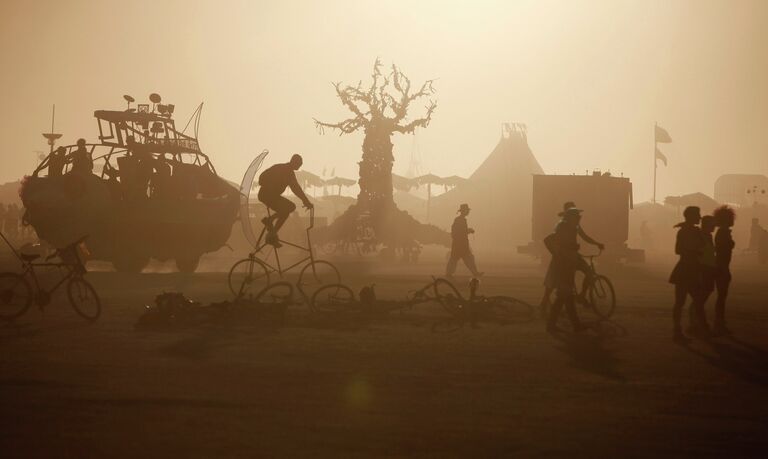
(742, 360)
(590, 352)
(11, 331)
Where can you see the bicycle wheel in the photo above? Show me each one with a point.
(83, 298)
(15, 296)
(508, 309)
(277, 293)
(316, 274)
(332, 298)
(248, 277)
(447, 295)
(602, 296)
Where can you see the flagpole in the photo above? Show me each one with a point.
(655, 162)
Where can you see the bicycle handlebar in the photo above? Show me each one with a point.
(594, 255)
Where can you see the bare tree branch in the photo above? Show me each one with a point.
(421, 122)
(374, 102)
(347, 126)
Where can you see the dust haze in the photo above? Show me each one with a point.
(384, 229)
(589, 78)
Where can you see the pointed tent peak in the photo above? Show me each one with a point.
(514, 131)
(511, 157)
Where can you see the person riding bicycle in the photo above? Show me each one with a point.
(272, 184)
(581, 264)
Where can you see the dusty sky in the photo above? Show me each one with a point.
(589, 78)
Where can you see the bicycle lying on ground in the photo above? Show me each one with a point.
(336, 298)
(17, 292)
(251, 275)
(497, 308)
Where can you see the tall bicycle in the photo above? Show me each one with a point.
(17, 292)
(251, 275)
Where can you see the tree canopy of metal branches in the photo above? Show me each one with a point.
(380, 110)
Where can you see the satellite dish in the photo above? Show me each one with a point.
(128, 98)
(155, 98)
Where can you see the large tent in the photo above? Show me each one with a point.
(498, 192)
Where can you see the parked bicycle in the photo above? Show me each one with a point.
(17, 292)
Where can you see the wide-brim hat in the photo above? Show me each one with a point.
(463, 207)
(567, 205)
(571, 211)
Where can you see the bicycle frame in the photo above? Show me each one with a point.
(29, 271)
(279, 268)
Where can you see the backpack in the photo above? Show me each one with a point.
(551, 243)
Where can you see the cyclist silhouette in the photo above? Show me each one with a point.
(272, 184)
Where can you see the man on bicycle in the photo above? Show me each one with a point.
(581, 264)
(272, 184)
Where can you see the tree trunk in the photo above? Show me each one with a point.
(376, 169)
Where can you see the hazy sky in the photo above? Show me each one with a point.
(589, 78)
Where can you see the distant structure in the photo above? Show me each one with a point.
(606, 201)
(499, 192)
(742, 189)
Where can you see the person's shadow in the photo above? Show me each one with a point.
(590, 352)
(743, 360)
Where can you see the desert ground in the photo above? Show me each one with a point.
(386, 385)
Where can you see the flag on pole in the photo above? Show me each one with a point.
(660, 156)
(662, 136)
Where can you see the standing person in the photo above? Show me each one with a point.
(460, 250)
(82, 163)
(707, 260)
(562, 268)
(272, 184)
(57, 160)
(687, 274)
(725, 217)
(581, 263)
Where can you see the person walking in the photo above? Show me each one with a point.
(582, 264)
(562, 268)
(460, 250)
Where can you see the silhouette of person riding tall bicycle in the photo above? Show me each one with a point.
(251, 275)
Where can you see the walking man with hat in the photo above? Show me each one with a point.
(460, 232)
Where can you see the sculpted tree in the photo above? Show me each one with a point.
(381, 110)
